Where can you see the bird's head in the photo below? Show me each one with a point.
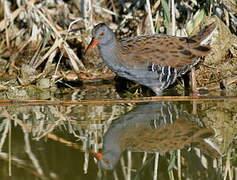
(102, 35)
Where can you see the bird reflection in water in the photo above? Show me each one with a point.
(155, 127)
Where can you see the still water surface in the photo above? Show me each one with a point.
(152, 140)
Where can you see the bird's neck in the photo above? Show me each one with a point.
(110, 54)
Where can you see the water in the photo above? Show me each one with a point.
(151, 140)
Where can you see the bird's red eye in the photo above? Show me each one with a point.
(101, 34)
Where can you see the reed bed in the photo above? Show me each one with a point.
(43, 42)
(46, 40)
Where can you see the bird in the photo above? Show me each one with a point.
(154, 61)
(155, 127)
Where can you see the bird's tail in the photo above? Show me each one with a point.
(199, 43)
(204, 34)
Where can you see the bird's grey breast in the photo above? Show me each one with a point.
(111, 57)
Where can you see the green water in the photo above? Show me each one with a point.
(156, 140)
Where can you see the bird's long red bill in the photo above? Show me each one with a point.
(98, 156)
(92, 44)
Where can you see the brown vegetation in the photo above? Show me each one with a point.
(44, 40)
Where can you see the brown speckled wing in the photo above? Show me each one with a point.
(161, 50)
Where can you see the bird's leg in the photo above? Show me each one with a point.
(194, 89)
(193, 81)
